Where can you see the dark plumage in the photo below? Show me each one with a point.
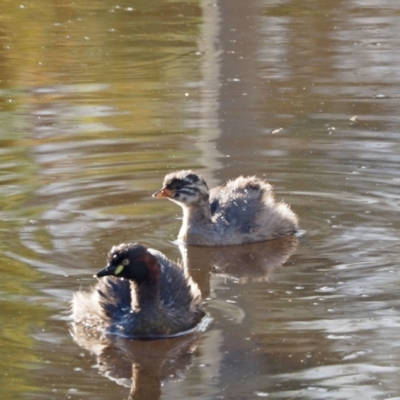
(241, 211)
(142, 295)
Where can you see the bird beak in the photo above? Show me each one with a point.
(109, 270)
(164, 192)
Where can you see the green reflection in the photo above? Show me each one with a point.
(93, 96)
(20, 315)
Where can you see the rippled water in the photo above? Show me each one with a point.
(98, 101)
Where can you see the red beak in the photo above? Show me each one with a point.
(164, 192)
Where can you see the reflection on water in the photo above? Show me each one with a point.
(99, 101)
(142, 366)
(253, 262)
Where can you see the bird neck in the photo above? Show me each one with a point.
(195, 224)
(148, 295)
(198, 213)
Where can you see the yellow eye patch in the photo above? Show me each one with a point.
(118, 270)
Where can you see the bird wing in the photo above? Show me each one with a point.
(237, 204)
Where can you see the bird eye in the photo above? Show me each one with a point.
(125, 262)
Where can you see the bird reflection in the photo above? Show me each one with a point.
(143, 366)
(253, 262)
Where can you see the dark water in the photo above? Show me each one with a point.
(98, 101)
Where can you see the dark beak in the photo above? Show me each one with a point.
(109, 270)
(164, 192)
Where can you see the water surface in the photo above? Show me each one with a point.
(99, 101)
